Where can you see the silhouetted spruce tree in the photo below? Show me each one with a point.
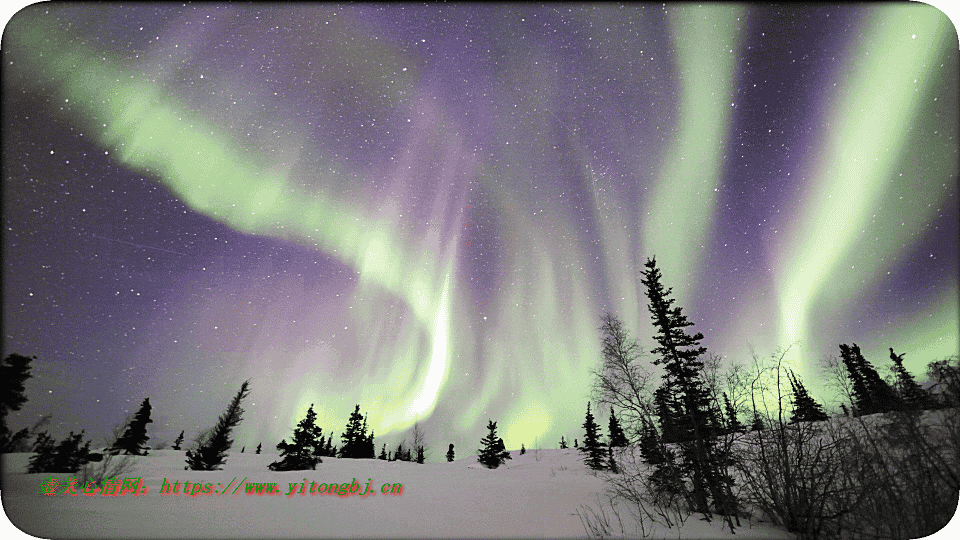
(870, 392)
(592, 446)
(14, 372)
(523, 449)
(259, 446)
(329, 450)
(383, 452)
(493, 454)
(687, 399)
(733, 423)
(303, 450)
(371, 447)
(576, 444)
(805, 408)
(651, 451)
(243, 449)
(179, 441)
(563, 443)
(355, 436)
(211, 451)
(669, 431)
(913, 396)
(421, 456)
(450, 454)
(617, 436)
(66, 457)
(135, 437)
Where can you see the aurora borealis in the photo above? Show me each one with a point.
(426, 209)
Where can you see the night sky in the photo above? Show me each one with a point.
(427, 209)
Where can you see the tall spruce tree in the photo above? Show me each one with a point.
(913, 396)
(211, 451)
(303, 450)
(354, 437)
(805, 408)
(493, 454)
(592, 446)
(687, 399)
(135, 437)
(870, 392)
(617, 436)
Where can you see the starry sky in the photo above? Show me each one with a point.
(427, 209)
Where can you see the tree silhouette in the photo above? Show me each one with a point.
(912, 394)
(592, 446)
(493, 454)
(135, 437)
(211, 451)
(617, 436)
(805, 408)
(450, 454)
(178, 441)
(14, 372)
(870, 392)
(733, 423)
(303, 450)
(686, 400)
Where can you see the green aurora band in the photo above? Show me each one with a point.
(822, 253)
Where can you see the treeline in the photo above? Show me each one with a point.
(815, 476)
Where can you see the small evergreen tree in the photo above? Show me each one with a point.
(576, 444)
(259, 446)
(651, 450)
(733, 423)
(329, 450)
(303, 450)
(523, 449)
(421, 457)
(450, 453)
(493, 454)
(591, 442)
(66, 457)
(355, 440)
(135, 437)
(178, 441)
(243, 449)
(617, 436)
(211, 451)
(870, 392)
(913, 396)
(383, 452)
(805, 408)
(757, 424)
(563, 443)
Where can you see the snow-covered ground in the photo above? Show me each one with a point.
(531, 496)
